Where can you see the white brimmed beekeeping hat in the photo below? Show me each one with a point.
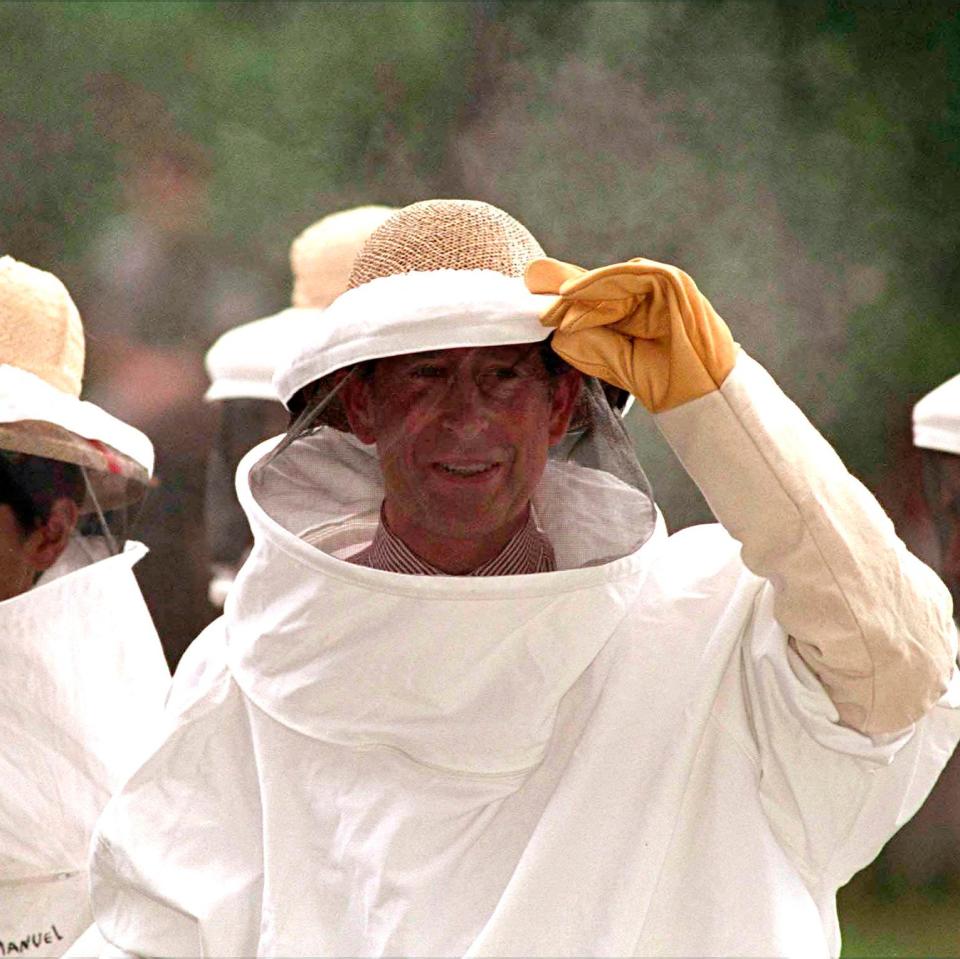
(242, 362)
(936, 418)
(41, 374)
(438, 274)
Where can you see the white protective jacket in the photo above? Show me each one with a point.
(626, 757)
(82, 686)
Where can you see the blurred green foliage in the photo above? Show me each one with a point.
(898, 921)
(294, 103)
(800, 160)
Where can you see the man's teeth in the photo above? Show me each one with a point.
(471, 470)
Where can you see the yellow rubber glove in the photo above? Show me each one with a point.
(642, 326)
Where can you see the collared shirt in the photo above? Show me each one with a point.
(528, 551)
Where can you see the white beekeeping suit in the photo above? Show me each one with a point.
(83, 677)
(241, 365)
(660, 745)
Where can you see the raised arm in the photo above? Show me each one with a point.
(872, 622)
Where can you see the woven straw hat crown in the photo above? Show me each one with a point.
(446, 235)
(322, 256)
(40, 327)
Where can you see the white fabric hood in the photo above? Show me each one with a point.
(81, 699)
(390, 684)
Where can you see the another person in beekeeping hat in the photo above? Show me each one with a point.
(936, 430)
(469, 698)
(82, 674)
(241, 365)
(928, 850)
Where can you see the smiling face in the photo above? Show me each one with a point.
(462, 438)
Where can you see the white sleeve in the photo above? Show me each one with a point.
(833, 795)
(872, 622)
(175, 859)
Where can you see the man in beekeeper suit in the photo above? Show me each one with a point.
(83, 677)
(241, 365)
(469, 699)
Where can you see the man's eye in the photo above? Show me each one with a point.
(427, 372)
(506, 373)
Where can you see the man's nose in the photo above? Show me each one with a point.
(464, 407)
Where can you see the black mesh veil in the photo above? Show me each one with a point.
(598, 440)
(242, 424)
(113, 520)
(596, 457)
(105, 508)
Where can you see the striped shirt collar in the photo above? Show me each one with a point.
(528, 551)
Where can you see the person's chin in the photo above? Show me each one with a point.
(466, 517)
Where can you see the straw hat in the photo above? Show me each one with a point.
(41, 329)
(241, 363)
(41, 372)
(446, 235)
(322, 256)
(936, 418)
(438, 274)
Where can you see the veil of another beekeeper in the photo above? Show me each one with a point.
(84, 677)
(418, 286)
(241, 364)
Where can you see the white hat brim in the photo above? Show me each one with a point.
(24, 396)
(936, 418)
(242, 362)
(413, 313)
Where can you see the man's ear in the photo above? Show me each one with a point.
(357, 399)
(45, 544)
(566, 389)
